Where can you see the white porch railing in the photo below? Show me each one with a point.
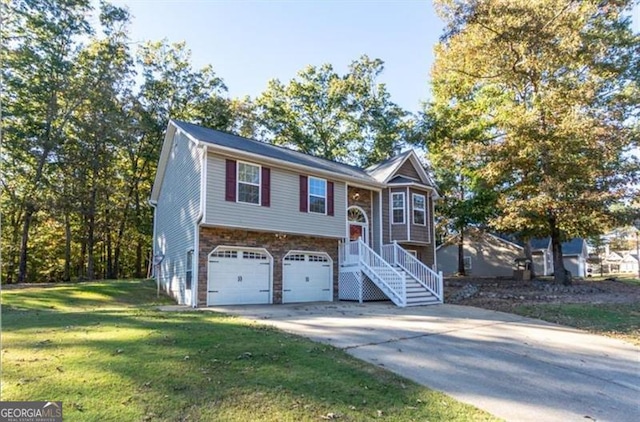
(385, 276)
(432, 281)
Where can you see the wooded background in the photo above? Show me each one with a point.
(530, 130)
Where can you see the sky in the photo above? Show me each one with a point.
(249, 42)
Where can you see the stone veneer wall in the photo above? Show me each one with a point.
(278, 247)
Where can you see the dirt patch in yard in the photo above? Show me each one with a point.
(504, 294)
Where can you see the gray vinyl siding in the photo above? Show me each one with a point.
(408, 170)
(284, 213)
(376, 220)
(398, 231)
(385, 217)
(176, 213)
(420, 233)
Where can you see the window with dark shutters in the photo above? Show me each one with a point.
(303, 193)
(266, 187)
(230, 185)
(330, 198)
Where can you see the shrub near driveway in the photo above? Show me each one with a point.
(104, 350)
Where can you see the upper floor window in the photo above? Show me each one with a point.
(397, 208)
(419, 209)
(248, 183)
(317, 195)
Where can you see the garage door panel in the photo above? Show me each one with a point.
(239, 277)
(306, 278)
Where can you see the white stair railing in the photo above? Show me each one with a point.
(428, 278)
(386, 277)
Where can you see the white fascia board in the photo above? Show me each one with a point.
(162, 162)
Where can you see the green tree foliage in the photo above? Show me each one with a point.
(347, 117)
(555, 85)
(81, 138)
(40, 93)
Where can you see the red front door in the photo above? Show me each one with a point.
(355, 232)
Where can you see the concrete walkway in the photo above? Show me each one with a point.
(516, 368)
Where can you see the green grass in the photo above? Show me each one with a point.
(615, 320)
(109, 355)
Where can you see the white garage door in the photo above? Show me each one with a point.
(239, 277)
(306, 277)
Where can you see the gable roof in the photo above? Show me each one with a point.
(537, 244)
(574, 246)
(385, 170)
(265, 150)
(473, 233)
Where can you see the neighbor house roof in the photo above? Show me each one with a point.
(571, 247)
(537, 244)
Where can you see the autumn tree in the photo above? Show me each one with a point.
(557, 83)
(40, 93)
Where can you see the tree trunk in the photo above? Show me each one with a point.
(559, 273)
(529, 255)
(461, 270)
(67, 248)
(24, 244)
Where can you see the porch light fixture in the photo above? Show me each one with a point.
(355, 196)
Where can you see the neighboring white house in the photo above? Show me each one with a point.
(629, 263)
(574, 254)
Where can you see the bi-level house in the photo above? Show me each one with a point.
(237, 221)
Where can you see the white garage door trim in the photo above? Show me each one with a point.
(230, 249)
(326, 258)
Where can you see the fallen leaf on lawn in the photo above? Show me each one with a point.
(379, 413)
(330, 415)
(119, 351)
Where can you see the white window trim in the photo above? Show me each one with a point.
(259, 185)
(326, 200)
(414, 209)
(467, 262)
(404, 208)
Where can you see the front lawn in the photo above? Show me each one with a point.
(621, 320)
(109, 355)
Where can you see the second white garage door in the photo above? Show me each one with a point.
(239, 277)
(307, 277)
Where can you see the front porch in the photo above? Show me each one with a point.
(395, 274)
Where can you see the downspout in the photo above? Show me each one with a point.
(198, 223)
(154, 205)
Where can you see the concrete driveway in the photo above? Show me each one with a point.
(516, 368)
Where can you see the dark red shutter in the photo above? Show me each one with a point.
(230, 186)
(329, 198)
(266, 187)
(303, 194)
